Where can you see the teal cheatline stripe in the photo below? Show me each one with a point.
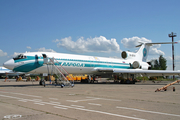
(106, 66)
(88, 61)
(85, 64)
(28, 67)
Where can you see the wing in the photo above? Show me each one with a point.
(139, 71)
(10, 73)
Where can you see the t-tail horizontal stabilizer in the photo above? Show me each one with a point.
(142, 53)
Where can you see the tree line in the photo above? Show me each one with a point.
(159, 64)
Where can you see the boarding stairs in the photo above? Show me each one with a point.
(60, 73)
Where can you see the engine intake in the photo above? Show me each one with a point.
(135, 64)
(124, 54)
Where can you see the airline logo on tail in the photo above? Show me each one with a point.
(144, 52)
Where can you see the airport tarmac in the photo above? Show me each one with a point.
(28, 100)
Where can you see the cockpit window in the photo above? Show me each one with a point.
(21, 56)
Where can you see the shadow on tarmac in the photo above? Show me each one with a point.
(137, 83)
(19, 85)
(24, 84)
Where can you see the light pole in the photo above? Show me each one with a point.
(172, 35)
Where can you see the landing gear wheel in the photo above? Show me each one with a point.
(40, 82)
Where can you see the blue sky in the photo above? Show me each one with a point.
(64, 25)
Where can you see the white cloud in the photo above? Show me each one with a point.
(97, 44)
(155, 51)
(169, 58)
(28, 47)
(176, 62)
(176, 59)
(15, 54)
(39, 50)
(45, 50)
(2, 53)
(101, 44)
(134, 41)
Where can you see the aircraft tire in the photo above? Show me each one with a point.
(122, 81)
(133, 82)
(128, 82)
(43, 83)
(40, 82)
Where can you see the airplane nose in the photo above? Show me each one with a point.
(9, 64)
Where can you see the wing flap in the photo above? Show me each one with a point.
(139, 71)
(104, 69)
(148, 72)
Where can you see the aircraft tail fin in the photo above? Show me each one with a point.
(142, 53)
(144, 49)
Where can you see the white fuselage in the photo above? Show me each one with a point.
(73, 64)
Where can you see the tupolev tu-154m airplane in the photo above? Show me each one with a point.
(131, 63)
(6, 72)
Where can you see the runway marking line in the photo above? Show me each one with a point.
(105, 99)
(92, 98)
(37, 100)
(53, 98)
(148, 111)
(11, 97)
(54, 102)
(38, 103)
(77, 106)
(106, 113)
(65, 107)
(60, 107)
(94, 104)
(71, 101)
(42, 103)
(48, 103)
(22, 100)
(82, 100)
(21, 94)
(12, 116)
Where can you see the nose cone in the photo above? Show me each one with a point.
(9, 64)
